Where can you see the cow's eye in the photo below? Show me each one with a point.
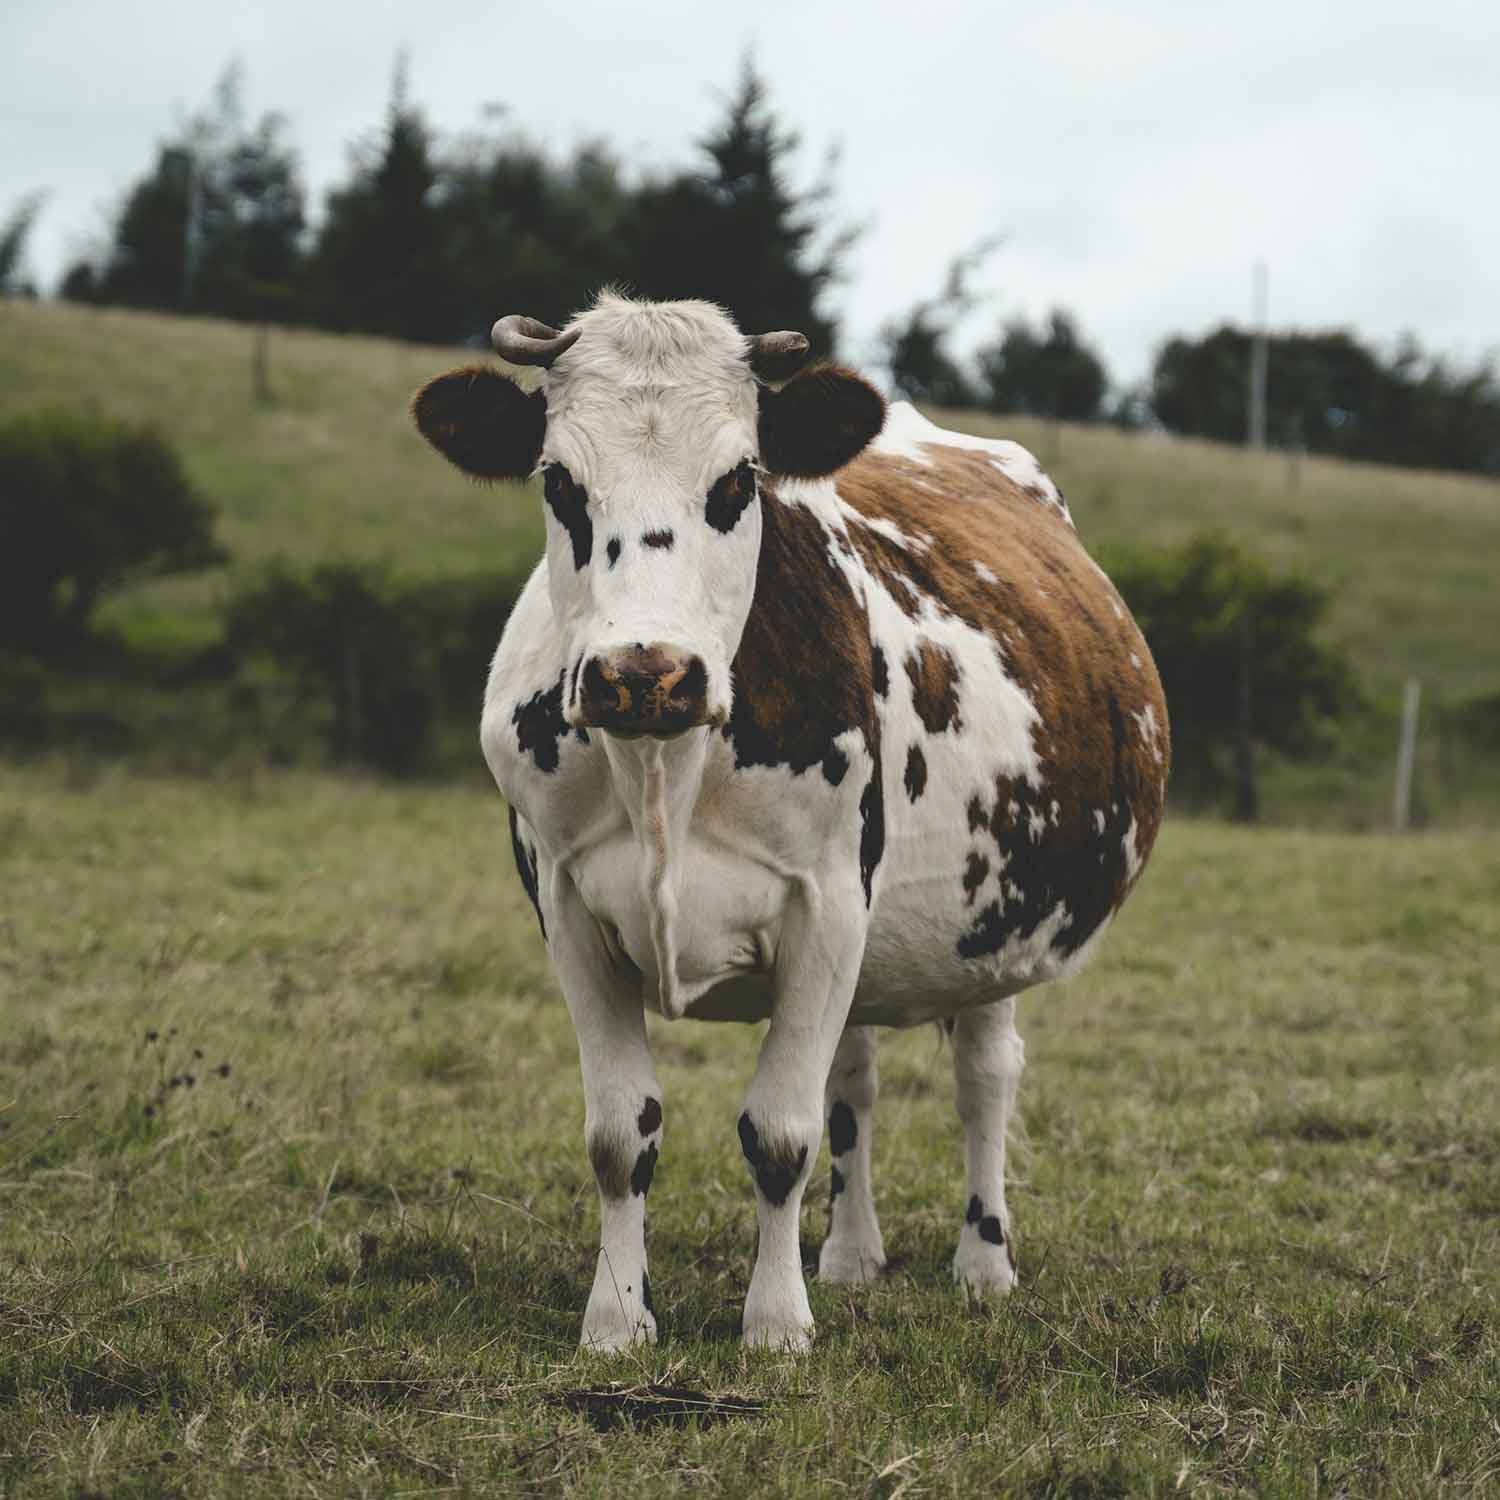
(730, 494)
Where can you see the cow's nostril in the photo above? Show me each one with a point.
(644, 689)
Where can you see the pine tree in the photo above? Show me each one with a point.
(1047, 373)
(381, 266)
(738, 233)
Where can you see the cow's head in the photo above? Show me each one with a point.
(651, 427)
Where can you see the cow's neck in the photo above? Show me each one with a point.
(658, 782)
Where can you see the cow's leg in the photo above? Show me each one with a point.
(622, 1122)
(782, 1121)
(987, 1060)
(853, 1250)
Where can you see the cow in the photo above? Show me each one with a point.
(813, 713)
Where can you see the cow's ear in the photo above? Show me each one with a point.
(483, 422)
(817, 421)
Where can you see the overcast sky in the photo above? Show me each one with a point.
(1139, 158)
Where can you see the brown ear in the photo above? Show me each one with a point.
(483, 422)
(818, 421)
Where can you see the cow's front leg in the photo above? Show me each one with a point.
(987, 1060)
(622, 1121)
(853, 1250)
(781, 1125)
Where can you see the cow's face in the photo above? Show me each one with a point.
(652, 433)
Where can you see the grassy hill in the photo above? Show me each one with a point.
(333, 468)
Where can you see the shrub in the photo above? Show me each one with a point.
(380, 662)
(1208, 611)
(87, 505)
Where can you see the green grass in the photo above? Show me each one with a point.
(333, 468)
(1258, 1211)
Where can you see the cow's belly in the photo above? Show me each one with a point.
(986, 889)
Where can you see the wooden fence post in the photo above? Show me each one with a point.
(1406, 755)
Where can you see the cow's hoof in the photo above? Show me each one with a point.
(984, 1271)
(850, 1263)
(608, 1333)
(779, 1318)
(781, 1338)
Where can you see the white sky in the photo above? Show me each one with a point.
(1139, 158)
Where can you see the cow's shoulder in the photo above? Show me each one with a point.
(804, 674)
(530, 747)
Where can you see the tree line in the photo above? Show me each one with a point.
(429, 238)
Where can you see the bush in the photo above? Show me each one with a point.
(1207, 610)
(377, 662)
(87, 505)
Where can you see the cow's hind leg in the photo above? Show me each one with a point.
(987, 1060)
(853, 1250)
(622, 1128)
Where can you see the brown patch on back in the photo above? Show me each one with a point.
(1065, 638)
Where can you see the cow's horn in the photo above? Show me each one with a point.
(524, 341)
(778, 356)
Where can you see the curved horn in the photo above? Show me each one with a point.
(777, 356)
(523, 341)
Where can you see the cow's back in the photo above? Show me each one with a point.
(1022, 730)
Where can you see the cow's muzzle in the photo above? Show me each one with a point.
(644, 689)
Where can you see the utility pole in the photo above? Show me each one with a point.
(1257, 416)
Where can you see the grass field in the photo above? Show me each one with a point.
(333, 468)
(294, 1201)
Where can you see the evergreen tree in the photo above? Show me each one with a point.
(1048, 373)
(13, 236)
(216, 226)
(1329, 393)
(738, 232)
(381, 262)
(914, 348)
(525, 234)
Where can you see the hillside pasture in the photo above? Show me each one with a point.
(332, 469)
(294, 1200)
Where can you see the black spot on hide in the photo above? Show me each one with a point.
(646, 1301)
(835, 765)
(729, 497)
(872, 830)
(975, 1210)
(570, 504)
(842, 1129)
(644, 1171)
(776, 1173)
(613, 550)
(1082, 866)
(526, 868)
(539, 725)
(835, 1183)
(990, 1231)
(880, 673)
(916, 772)
(649, 1119)
(661, 540)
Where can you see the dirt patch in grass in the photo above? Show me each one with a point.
(606, 1407)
